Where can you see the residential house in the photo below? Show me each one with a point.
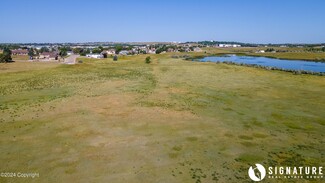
(19, 52)
(197, 49)
(109, 52)
(187, 49)
(124, 52)
(151, 51)
(170, 50)
(94, 55)
(49, 55)
(229, 45)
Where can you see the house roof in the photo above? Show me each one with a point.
(19, 51)
(50, 54)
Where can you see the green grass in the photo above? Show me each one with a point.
(295, 56)
(168, 121)
(20, 57)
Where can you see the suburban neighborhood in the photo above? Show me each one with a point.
(57, 52)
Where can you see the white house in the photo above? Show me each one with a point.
(229, 45)
(109, 52)
(94, 55)
(151, 51)
(124, 52)
(197, 49)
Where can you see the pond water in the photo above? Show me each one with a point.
(272, 62)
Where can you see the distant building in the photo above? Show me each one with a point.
(124, 52)
(197, 49)
(170, 50)
(151, 51)
(49, 55)
(94, 55)
(109, 52)
(187, 49)
(229, 45)
(19, 52)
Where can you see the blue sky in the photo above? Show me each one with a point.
(254, 21)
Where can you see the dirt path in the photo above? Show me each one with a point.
(71, 59)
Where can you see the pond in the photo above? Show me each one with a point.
(270, 62)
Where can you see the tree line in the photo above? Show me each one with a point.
(5, 56)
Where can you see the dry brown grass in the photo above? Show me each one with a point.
(169, 121)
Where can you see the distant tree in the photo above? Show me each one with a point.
(36, 52)
(1, 58)
(63, 52)
(84, 52)
(161, 49)
(143, 52)
(44, 49)
(6, 55)
(96, 50)
(323, 49)
(100, 48)
(68, 48)
(269, 50)
(77, 50)
(7, 51)
(118, 48)
(115, 58)
(148, 60)
(31, 53)
(129, 48)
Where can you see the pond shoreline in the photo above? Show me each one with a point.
(256, 65)
(254, 55)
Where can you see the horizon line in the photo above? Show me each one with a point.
(116, 42)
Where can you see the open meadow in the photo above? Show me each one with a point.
(282, 53)
(168, 121)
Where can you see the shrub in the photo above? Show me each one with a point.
(148, 60)
(115, 58)
(6, 55)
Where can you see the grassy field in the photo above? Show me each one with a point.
(168, 121)
(20, 57)
(294, 56)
